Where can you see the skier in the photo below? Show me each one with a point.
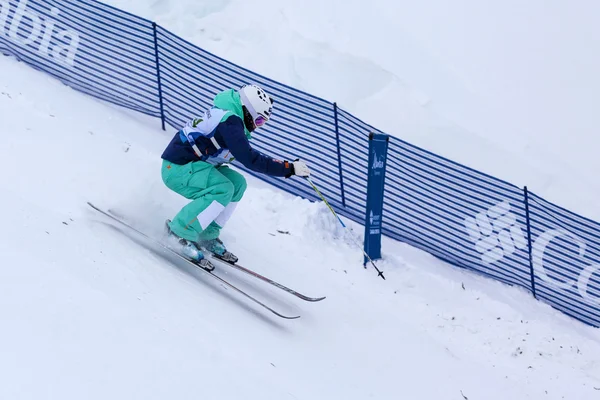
(195, 166)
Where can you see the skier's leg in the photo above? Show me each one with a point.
(239, 187)
(209, 191)
(238, 180)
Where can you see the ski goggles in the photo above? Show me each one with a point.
(260, 121)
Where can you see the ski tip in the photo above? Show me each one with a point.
(314, 299)
(96, 208)
(286, 317)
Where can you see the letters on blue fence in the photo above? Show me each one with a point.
(461, 216)
(565, 256)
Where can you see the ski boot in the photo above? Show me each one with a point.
(217, 248)
(188, 249)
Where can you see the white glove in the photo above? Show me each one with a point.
(300, 169)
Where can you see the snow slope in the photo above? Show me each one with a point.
(89, 311)
(509, 88)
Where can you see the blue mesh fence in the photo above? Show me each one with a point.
(354, 151)
(461, 216)
(94, 48)
(566, 259)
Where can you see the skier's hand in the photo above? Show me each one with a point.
(299, 168)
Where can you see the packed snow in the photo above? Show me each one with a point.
(91, 311)
(510, 88)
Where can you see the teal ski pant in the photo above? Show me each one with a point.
(214, 191)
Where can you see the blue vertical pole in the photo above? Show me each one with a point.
(528, 218)
(160, 95)
(339, 153)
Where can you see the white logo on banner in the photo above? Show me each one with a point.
(377, 163)
(375, 223)
(495, 232)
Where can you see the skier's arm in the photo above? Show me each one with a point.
(231, 133)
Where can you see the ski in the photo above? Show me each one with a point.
(223, 281)
(267, 280)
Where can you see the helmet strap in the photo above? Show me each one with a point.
(248, 120)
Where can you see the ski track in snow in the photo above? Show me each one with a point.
(91, 312)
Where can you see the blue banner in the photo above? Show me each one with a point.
(378, 146)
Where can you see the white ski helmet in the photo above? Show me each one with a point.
(258, 103)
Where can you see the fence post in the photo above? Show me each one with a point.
(378, 147)
(339, 153)
(527, 217)
(160, 95)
